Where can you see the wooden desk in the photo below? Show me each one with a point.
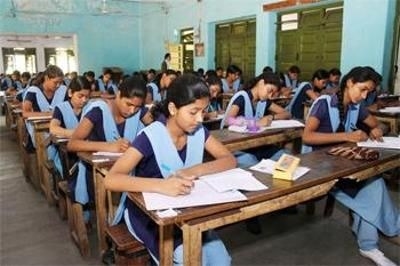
(392, 119)
(325, 170)
(226, 97)
(235, 141)
(41, 128)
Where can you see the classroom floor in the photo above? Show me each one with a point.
(33, 234)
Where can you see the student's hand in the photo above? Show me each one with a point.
(357, 136)
(265, 121)
(174, 186)
(120, 145)
(376, 134)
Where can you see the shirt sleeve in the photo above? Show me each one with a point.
(320, 110)
(95, 115)
(363, 113)
(239, 101)
(143, 112)
(143, 145)
(58, 115)
(30, 96)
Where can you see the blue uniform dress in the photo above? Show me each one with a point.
(369, 201)
(69, 120)
(266, 151)
(144, 229)
(296, 106)
(83, 192)
(40, 103)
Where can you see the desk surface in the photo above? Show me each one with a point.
(324, 168)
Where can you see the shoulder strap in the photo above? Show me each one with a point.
(109, 126)
(296, 95)
(59, 95)
(155, 92)
(248, 109)
(69, 117)
(165, 152)
(40, 98)
(333, 111)
(260, 109)
(132, 126)
(352, 117)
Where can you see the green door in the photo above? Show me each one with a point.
(310, 39)
(235, 43)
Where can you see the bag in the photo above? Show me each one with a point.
(355, 153)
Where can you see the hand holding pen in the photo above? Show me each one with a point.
(121, 144)
(376, 134)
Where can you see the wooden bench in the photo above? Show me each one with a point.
(127, 250)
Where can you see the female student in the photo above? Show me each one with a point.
(43, 96)
(215, 86)
(307, 91)
(108, 125)
(231, 82)
(67, 114)
(254, 102)
(158, 87)
(333, 121)
(105, 84)
(168, 165)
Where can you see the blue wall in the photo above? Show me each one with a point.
(102, 40)
(138, 41)
(367, 35)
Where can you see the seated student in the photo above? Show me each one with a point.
(26, 83)
(290, 80)
(105, 84)
(307, 91)
(108, 125)
(157, 89)
(67, 114)
(168, 165)
(215, 86)
(90, 76)
(254, 102)
(332, 120)
(231, 82)
(332, 86)
(42, 97)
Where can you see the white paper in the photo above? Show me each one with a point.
(268, 166)
(390, 110)
(285, 124)
(388, 143)
(233, 179)
(201, 194)
(276, 124)
(109, 154)
(100, 160)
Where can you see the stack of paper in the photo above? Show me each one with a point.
(395, 109)
(209, 189)
(268, 166)
(388, 143)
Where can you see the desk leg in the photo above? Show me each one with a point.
(44, 177)
(166, 244)
(101, 217)
(192, 245)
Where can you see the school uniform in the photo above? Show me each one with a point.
(160, 159)
(110, 87)
(369, 201)
(289, 83)
(64, 113)
(296, 106)
(235, 85)
(40, 103)
(104, 129)
(156, 93)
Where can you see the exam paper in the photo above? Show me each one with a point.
(268, 166)
(201, 194)
(388, 143)
(109, 154)
(233, 179)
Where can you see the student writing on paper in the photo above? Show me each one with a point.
(166, 157)
(332, 120)
(108, 125)
(41, 98)
(67, 114)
